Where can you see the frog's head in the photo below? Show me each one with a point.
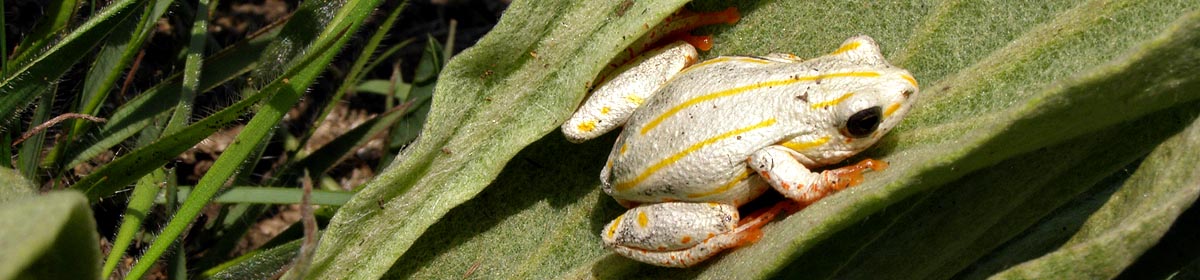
(872, 111)
(869, 106)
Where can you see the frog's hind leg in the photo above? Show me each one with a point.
(614, 100)
(676, 234)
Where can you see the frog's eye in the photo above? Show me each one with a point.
(863, 123)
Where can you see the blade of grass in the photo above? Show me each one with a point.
(381, 87)
(30, 78)
(355, 74)
(31, 149)
(420, 91)
(285, 92)
(177, 265)
(114, 56)
(268, 195)
(126, 169)
(385, 55)
(139, 112)
(58, 16)
(191, 69)
(141, 201)
(3, 49)
(326, 157)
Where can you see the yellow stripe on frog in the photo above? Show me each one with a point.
(725, 187)
(738, 90)
(728, 58)
(848, 47)
(835, 101)
(910, 80)
(801, 146)
(612, 230)
(694, 147)
(891, 109)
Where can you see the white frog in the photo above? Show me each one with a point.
(701, 140)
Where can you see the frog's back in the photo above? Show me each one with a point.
(689, 142)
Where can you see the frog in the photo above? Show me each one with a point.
(699, 140)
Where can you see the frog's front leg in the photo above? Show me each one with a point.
(613, 101)
(676, 234)
(792, 179)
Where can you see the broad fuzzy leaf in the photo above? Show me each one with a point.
(1015, 96)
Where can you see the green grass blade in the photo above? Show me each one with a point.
(136, 114)
(381, 87)
(140, 202)
(326, 157)
(356, 70)
(492, 100)
(385, 55)
(269, 195)
(191, 69)
(419, 93)
(30, 155)
(126, 169)
(32, 77)
(3, 50)
(284, 93)
(41, 236)
(58, 16)
(114, 56)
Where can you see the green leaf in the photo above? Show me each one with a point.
(493, 100)
(1018, 100)
(50, 236)
(14, 186)
(417, 96)
(381, 87)
(262, 264)
(1133, 219)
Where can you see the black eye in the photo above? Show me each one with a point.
(864, 122)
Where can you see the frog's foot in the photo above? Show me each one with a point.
(689, 256)
(851, 175)
(678, 27)
(676, 234)
(788, 176)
